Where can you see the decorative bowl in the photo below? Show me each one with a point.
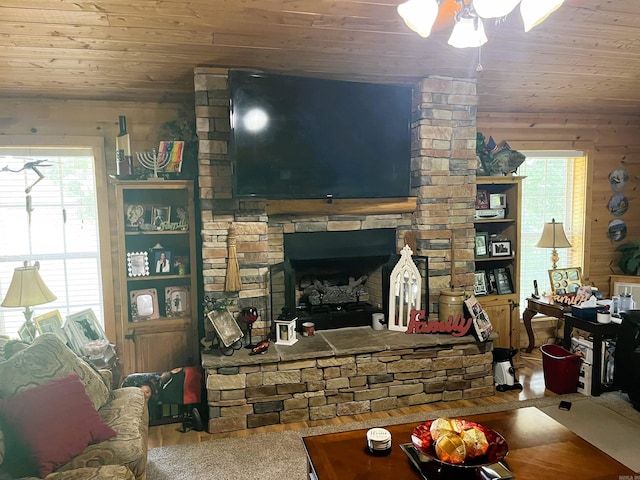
(498, 448)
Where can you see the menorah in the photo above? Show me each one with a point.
(153, 160)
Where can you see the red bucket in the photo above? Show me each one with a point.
(561, 369)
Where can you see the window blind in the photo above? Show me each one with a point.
(61, 232)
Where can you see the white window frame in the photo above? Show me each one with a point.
(96, 145)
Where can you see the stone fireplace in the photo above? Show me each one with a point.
(331, 374)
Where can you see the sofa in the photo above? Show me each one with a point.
(61, 420)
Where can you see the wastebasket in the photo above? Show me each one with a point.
(560, 368)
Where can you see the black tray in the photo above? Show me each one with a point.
(432, 470)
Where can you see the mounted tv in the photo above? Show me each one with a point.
(298, 137)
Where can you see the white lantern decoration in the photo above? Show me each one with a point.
(286, 331)
(404, 292)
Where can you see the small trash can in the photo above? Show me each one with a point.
(560, 368)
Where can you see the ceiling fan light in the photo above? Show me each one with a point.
(494, 8)
(534, 12)
(467, 34)
(419, 15)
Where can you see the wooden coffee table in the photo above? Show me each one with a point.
(539, 447)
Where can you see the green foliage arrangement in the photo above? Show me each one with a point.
(629, 261)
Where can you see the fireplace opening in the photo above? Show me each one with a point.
(333, 279)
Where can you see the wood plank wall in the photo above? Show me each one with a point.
(611, 142)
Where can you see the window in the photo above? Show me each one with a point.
(52, 220)
(554, 188)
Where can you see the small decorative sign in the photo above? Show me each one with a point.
(457, 327)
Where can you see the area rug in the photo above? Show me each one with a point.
(281, 456)
(609, 430)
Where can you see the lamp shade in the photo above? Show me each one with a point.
(27, 288)
(494, 8)
(468, 32)
(553, 236)
(534, 12)
(419, 15)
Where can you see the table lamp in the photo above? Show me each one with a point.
(553, 236)
(26, 290)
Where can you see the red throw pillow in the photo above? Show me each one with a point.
(47, 425)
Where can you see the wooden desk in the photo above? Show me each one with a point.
(544, 306)
(539, 447)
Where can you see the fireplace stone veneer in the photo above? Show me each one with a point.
(343, 372)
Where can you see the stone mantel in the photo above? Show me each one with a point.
(334, 343)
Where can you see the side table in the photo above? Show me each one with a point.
(600, 331)
(544, 306)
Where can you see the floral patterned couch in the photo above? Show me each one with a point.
(122, 413)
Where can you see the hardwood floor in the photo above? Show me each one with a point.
(529, 374)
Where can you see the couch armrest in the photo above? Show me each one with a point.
(107, 376)
(106, 472)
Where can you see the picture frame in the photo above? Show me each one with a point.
(85, 334)
(144, 304)
(497, 200)
(481, 245)
(492, 284)
(134, 216)
(481, 286)
(565, 280)
(51, 322)
(480, 319)
(26, 333)
(482, 200)
(177, 301)
(138, 264)
(162, 262)
(181, 265)
(504, 282)
(501, 248)
(160, 216)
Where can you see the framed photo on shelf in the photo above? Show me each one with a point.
(480, 286)
(497, 200)
(181, 265)
(138, 264)
(160, 215)
(51, 323)
(482, 200)
(504, 283)
(177, 301)
(565, 280)
(481, 249)
(491, 282)
(501, 248)
(144, 304)
(162, 262)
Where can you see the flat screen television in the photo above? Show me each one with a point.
(297, 137)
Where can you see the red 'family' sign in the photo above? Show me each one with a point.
(458, 326)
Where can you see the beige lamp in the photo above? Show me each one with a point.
(553, 236)
(26, 290)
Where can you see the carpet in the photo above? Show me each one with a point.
(280, 455)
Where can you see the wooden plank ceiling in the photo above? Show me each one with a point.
(585, 58)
